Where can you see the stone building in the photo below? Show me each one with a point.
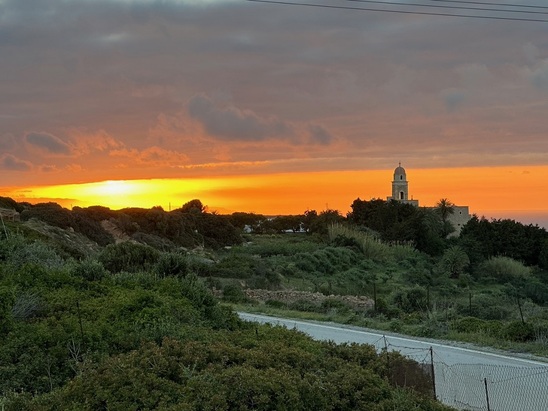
(400, 192)
(460, 216)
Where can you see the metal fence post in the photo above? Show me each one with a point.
(433, 374)
(487, 394)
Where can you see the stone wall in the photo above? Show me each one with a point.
(290, 296)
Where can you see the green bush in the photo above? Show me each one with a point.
(328, 260)
(518, 331)
(410, 299)
(395, 326)
(84, 223)
(129, 257)
(51, 213)
(7, 299)
(234, 293)
(90, 270)
(334, 304)
(469, 325)
(275, 304)
(304, 305)
(236, 266)
(171, 264)
(503, 270)
(35, 253)
(490, 306)
(155, 241)
(268, 246)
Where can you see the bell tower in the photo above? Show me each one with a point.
(400, 185)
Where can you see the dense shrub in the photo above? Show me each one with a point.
(487, 305)
(503, 270)
(7, 299)
(84, 223)
(6, 202)
(90, 270)
(410, 299)
(287, 245)
(240, 266)
(335, 305)
(484, 239)
(217, 231)
(171, 264)
(275, 303)
(20, 253)
(128, 256)
(51, 213)
(269, 374)
(304, 305)
(369, 244)
(519, 331)
(536, 290)
(326, 260)
(469, 325)
(155, 241)
(234, 293)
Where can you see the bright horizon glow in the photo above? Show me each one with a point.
(494, 192)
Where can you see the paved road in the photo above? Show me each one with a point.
(513, 384)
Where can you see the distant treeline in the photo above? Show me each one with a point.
(193, 225)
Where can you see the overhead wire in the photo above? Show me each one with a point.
(441, 6)
(397, 11)
(483, 3)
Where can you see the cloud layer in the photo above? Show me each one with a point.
(137, 89)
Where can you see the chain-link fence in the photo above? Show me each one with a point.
(493, 388)
(471, 387)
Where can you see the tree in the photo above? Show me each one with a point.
(543, 255)
(242, 220)
(454, 261)
(445, 208)
(324, 220)
(484, 239)
(310, 216)
(194, 206)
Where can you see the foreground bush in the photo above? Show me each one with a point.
(273, 369)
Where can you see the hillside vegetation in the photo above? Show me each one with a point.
(132, 309)
(89, 322)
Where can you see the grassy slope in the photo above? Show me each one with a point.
(461, 310)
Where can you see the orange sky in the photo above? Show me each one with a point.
(270, 108)
(501, 192)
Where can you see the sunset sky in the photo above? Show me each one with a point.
(272, 108)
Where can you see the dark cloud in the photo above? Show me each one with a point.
(231, 123)
(453, 98)
(367, 78)
(319, 134)
(10, 162)
(48, 143)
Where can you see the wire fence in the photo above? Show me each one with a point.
(471, 387)
(492, 387)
